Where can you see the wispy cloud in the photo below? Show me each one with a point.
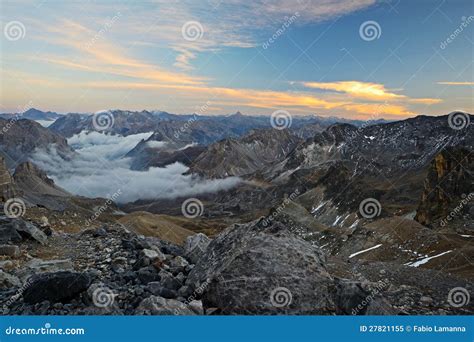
(457, 83)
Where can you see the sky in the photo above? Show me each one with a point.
(359, 59)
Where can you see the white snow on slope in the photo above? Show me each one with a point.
(365, 250)
(425, 260)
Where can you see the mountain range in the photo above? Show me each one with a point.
(342, 204)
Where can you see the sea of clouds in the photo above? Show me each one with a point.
(100, 169)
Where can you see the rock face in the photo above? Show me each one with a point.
(29, 230)
(7, 190)
(56, 287)
(22, 137)
(239, 157)
(448, 183)
(251, 269)
(15, 230)
(196, 246)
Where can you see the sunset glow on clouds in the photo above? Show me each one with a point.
(84, 56)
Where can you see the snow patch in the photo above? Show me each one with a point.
(425, 260)
(365, 250)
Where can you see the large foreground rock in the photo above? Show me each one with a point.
(30, 231)
(195, 247)
(252, 269)
(56, 287)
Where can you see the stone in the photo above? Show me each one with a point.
(8, 233)
(425, 300)
(185, 291)
(30, 231)
(7, 265)
(7, 281)
(196, 307)
(10, 250)
(169, 281)
(41, 266)
(44, 222)
(56, 287)
(148, 274)
(195, 247)
(119, 265)
(179, 262)
(157, 289)
(252, 269)
(99, 232)
(155, 305)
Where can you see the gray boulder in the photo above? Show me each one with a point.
(8, 232)
(195, 247)
(155, 305)
(10, 250)
(56, 287)
(252, 269)
(29, 230)
(7, 281)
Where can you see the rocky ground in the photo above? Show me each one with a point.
(251, 268)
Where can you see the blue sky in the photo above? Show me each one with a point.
(218, 57)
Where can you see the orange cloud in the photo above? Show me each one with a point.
(365, 90)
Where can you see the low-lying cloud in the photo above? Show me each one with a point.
(99, 169)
